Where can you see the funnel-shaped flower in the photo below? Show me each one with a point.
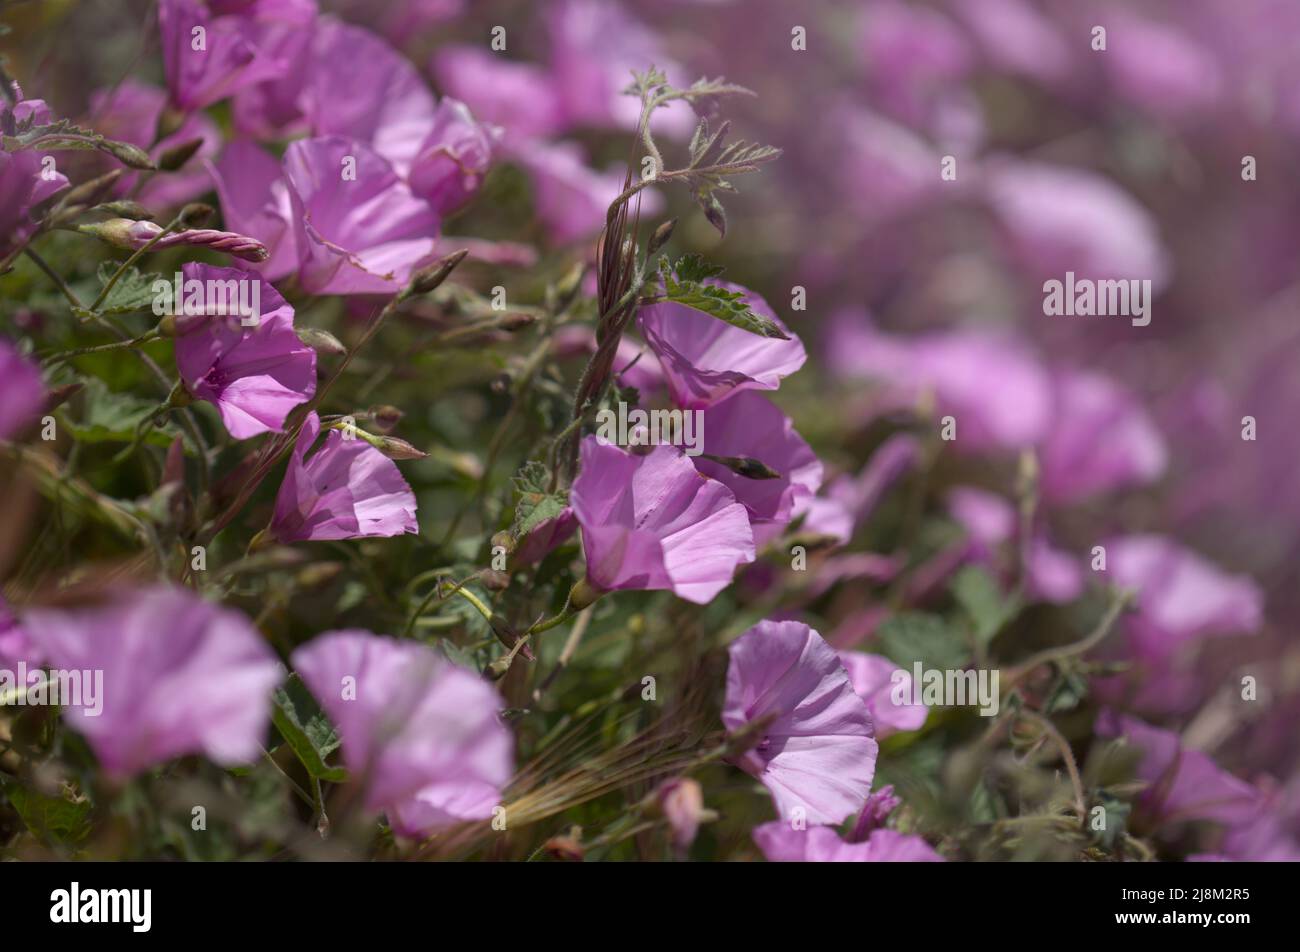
(346, 489)
(817, 753)
(707, 360)
(253, 373)
(424, 736)
(653, 522)
(751, 426)
(781, 843)
(878, 681)
(179, 676)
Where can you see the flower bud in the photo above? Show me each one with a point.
(681, 801)
(323, 342)
(432, 275)
(176, 157)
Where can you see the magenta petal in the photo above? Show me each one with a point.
(22, 391)
(180, 676)
(255, 375)
(346, 489)
(706, 360)
(818, 754)
(423, 736)
(654, 522)
(876, 679)
(781, 843)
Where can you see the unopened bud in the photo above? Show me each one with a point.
(432, 275)
(323, 342)
(661, 236)
(569, 285)
(176, 157)
(196, 213)
(125, 208)
(384, 417)
(495, 581)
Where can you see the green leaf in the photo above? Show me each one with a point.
(132, 292)
(915, 636)
(536, 504)
(306, 729)
(51, 818)
(725, 305)
(980, 597)
(114, 417)
(693, 267)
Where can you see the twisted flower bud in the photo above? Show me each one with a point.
(134, 235)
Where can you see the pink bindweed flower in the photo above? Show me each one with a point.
(129, 112)
(749, 425)
(867, 842)
(1182, 599)
(334, 213)
(817, 753)
(213, 48)
(453, 159)
(1100, 439)
(355, 235)
(1062, 219)
(1183, 784)
(654, 522)
(874, 679)
(518, 97)
(22, 391)
(995, 388)
(255, 201)
(571, 197)
(253, 374)
(25, 179)
(595, 46)
(179, 676)
(346, 489)
(423, 736)
(706, 360)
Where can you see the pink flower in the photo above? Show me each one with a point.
(334, 213)
(750, 425)
(516, 96)
(873, 678)
(346, 489)
(255, 201)
(453, 159)
(817, 753)
(1100, 439)
(995, 389)
(424, 737)
(179, 676)
(706, 360)
(653, 522)
(254, 375)
(781, 843)
(1063, 219)
(129, 112)
(1183, 784)
(22, 391)
(361, 234)
(213, 49)
(25, 182)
